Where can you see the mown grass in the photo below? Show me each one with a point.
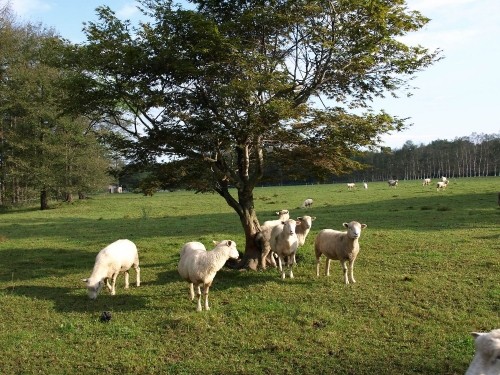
(428, 273)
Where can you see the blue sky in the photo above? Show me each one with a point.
(456, 97)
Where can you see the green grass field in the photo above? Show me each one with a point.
(428, 274)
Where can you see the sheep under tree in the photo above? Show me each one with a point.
(198, 266)
(284, 243)
(221, 84)
(342, 246)
(117, 257)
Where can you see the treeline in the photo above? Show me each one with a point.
(471, 156)
(44, 154)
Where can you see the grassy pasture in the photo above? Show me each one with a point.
(428, 274)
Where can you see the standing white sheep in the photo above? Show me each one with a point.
(393, 183)
(351, 185)
(427, 181)
(365, 185)
(441, 185)
(304, 225)
(486, 359)
(342, 246)
(262, 238)
(284, 243)
(117, 257)
(198, 266)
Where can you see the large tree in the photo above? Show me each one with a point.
(214, 87)
(41, 152)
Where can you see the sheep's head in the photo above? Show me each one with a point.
(233, 251)
(93, 289)
(283, 214)
(354, 229)
(306, 221)
(289, 226)
(487, 357)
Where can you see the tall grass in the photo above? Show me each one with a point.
(428, 273)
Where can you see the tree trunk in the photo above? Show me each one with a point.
(68, 197)
(44, 202)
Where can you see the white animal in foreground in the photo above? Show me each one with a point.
(393, 183)
(365, 185)
(198, 266)
(427, 181)
(307, 203)
(441, 185)
(351, 185)
(486, 359)
(117, 257)
(284, 243)
(342, 246)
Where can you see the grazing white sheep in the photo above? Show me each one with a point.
(486, 359)
(198, 266)
(117, 257)
(351, 185)
(284, 243)
(342, 246)
(365, 185)
(307, 203)
(427, 181)
(393, 183)
(441, 185)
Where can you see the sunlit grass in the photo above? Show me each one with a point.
(428, 273)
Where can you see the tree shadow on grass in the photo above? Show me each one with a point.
(65, 300)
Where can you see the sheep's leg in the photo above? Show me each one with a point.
(198, 295)
(126, 279)
(138, 275)
(191, 291)
(327, 267)
(113, 283)
(351, 273)
(205, 292)
(281, 262)
(108, 285)
(344, 268)
(317, 266)
(291, 271)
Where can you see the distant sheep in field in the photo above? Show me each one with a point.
(441, 185)
(444, 179)
(342, 246)
(117, 257)
(365, 185)
(427, 181)
(486, 359)
(307, 203)
(198, 266)
(393, 183)
(284, 243)
(351, 185)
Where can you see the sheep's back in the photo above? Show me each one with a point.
(331, 243)
(118, 256)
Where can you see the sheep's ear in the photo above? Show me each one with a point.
(229, 243)
(476, 334)
(313, 218)
(277, 212)
(85, 280)
(345, 225)
(363, 226)
(215, 242)
(299, 218)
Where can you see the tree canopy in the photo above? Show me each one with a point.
(212, 89)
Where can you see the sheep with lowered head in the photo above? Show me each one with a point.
(342, 246)
(117, 257)
(307, 203)
(198, 266)
(486, 359)
(284, 243)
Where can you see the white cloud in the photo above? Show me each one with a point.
(24, 7)
(127, 11)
